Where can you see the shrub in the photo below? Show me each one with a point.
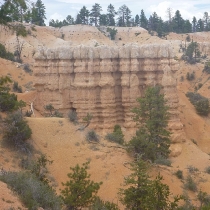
(179, 174)
(163, 161)
(28, 113)
(50, 108)
(27, 68)
(92, 136)
(117, 135)
(192, 169)
(190, 76)
(207, 170)
(17, 88)
(190, 184)
(16, 131)
(207, 67)
(5, 54)
(32, 191)
(58, 114)
(112, 32)
(200, 103)
(73, 116)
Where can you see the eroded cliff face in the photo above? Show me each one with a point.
(106, 81)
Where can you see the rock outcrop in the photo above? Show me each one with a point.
(106, 81)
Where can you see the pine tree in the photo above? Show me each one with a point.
(95, 14)
(143, 20)
(103, 20)
(178, 22)
(38, 13)
(79, 191)
(137, 20)
(83, 16)
(111, 14)
(124, 14)
(194, 22)
(141, 193)
(152, 137)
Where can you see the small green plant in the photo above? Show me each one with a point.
(190, 184)
(179, 174)
(87, 119)
(207, 67)
(17, 88)
(112, 32)
(163, 161)
(190, 76)
(192, 169)
(57, 114)
(27, 68)
(207, 170)
(4, 54)
(92, 136)
(117, 135)
(50, 108)
(28, 113)
(79, 191)
(73, 116)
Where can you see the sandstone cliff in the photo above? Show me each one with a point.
(106, 81)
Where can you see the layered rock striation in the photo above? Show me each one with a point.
(106, 81)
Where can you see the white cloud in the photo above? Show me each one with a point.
(56, 16)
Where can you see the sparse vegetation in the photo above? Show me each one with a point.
(117, 135)
(32, 191)
(16, 131)
(5, 54)
(179, 174)
(17, 88)
(207, 67)
(73, 116)
(103, 205)
(162, 161)
(27, 68)
(200, 103)
(112, 32)
(190, 76)
(190, 184)
(92, 136)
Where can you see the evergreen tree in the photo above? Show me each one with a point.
(38, 13)
(143, 20)
(200, 26)
(178, 22)
(111, 15)
(206, 21)
(79, 191)
(137, 20)
(95, 14)
(141, 193)
(152, 137)
(103, 20)
(70, 20)
(194, 24)
(83, 16)
(124, 14)
(187, 27)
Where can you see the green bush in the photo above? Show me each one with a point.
(57, 114)
(207, 170)
(190, 76)
(207, 67)
(17, 88)
(4, 54)
(27, 68)
(117, 135)
(16, 131)
(200, 103)
(92, 136)
(179, 174)
(72, 115)
(190, 184)
(163, 161)
(32, 192)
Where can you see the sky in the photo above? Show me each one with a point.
(60, 9)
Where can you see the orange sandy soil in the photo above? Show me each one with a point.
(62, 143)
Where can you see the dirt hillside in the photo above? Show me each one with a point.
(60, 140)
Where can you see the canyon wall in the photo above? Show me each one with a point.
(105, 81)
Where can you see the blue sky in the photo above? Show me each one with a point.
(59, 9)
